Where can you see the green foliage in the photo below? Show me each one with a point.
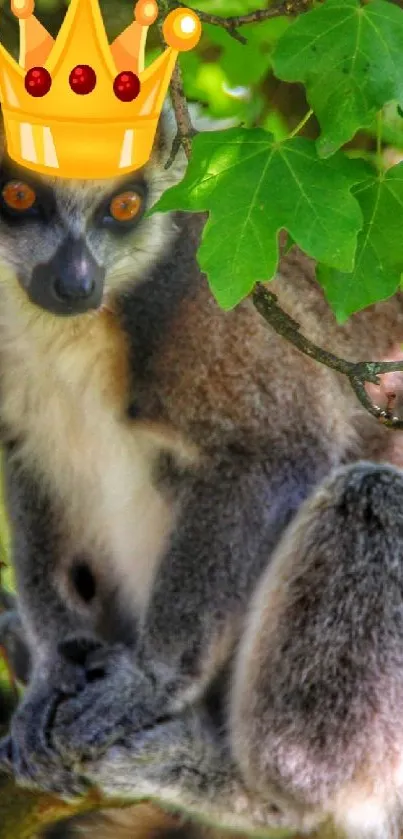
(253, 182)
(235, 175)
(350, 58)
(217, 73)
(379, 257)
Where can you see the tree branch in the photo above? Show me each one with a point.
(23, 813)
(185, 129)
(358, 373)
(231, 24)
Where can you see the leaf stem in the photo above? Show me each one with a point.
(301, 124)
(379, 126)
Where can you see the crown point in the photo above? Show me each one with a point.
(182, 29)
(82, 79)
(22, 8)
(126, 86)
(38, 81)
(146, 12)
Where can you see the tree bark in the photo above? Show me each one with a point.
(23, 812)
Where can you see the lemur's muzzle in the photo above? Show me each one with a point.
(70, 283)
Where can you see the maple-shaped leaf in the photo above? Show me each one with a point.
(253, 187)
(379, 258)
(350, 58)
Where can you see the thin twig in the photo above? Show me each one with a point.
(358, 373)
(231, 24)
(185, 129)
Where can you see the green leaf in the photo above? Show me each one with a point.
(350, 57)
(248, 63)
(253, 188)
(379, 259)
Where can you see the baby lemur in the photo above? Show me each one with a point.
(157, 450)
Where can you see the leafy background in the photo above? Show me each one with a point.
(330, 191)
(316, 146)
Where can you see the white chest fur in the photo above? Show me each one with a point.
(63, 386)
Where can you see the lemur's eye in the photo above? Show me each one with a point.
(121, 212)
(18, 196)
(126, 206)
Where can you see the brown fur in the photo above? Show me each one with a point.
(230, 362)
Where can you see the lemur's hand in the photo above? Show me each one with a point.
(93, 697)
(27, 751)
(117, 700)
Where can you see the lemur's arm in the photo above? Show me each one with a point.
(37, 554)
(43, 621)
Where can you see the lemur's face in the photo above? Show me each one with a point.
(69, 243)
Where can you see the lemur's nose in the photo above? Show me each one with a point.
(76, 281)
(74, 270)
(71, 282)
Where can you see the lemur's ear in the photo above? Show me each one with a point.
(164, 139)
(166, 132)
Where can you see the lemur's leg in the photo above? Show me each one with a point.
(318, 695)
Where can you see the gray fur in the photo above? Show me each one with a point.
(319, 679)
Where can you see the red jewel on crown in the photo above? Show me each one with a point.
(38, 81)
(126, 86)
(82, 79)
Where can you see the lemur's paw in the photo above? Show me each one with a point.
(28, 753)
(169, 755)
(26, 757)
(117, 699)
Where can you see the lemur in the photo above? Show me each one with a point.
(208, 564)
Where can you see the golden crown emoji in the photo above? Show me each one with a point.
(79, 107)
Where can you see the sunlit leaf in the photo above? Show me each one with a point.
(253, 188)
